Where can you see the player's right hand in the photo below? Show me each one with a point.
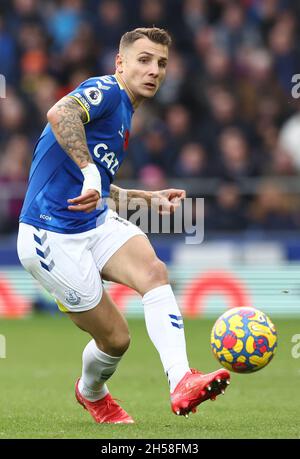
(87, 202)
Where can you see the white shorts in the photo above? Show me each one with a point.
(68, 266)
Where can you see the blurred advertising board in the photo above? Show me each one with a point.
(201, 290)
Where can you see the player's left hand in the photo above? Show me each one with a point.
(87, 202)
(167, 201)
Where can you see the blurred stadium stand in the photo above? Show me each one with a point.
(225, 126)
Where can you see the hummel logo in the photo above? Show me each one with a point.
(178, 321)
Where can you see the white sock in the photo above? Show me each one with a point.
(97, 368)
(165, 328)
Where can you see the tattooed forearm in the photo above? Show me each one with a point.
(122, 197)
(115, 193)
(66, 119)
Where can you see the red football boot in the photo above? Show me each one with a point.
(104, 411)
(196, 387)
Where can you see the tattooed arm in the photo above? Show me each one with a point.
(121, 196)
(164, 201)
(66, 118)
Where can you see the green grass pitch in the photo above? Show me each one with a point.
(44, 359)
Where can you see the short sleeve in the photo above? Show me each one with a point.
(97, 96)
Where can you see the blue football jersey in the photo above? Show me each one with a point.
(55, 177)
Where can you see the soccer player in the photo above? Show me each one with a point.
(69, 239)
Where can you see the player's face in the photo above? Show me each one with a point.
(143, 67)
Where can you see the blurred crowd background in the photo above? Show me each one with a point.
(225, 124)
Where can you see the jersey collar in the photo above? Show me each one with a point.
(125, 94)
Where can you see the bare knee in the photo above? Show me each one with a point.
(115, 345)
(156, 275)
